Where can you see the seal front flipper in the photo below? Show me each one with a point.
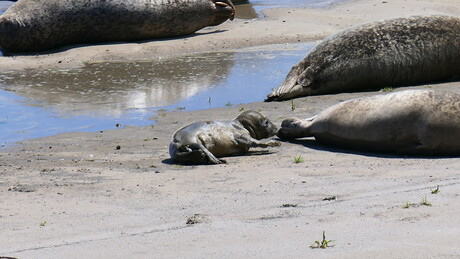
(248, 142)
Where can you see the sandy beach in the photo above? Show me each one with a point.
(117, 194)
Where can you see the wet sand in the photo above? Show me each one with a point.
(116, 193)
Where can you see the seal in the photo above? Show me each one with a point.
(36, 25)
(413, 122)
(204, 142)
(395, 52)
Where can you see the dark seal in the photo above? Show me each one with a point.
(205, 142)
(36, 25)
(414, 122)
(395, 52)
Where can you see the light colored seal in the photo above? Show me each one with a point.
(204, 142)
(416, 122)
(36, 25)
(395, 52)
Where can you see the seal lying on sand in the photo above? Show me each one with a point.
(417, 122)
(396, 52)
(204, 142)
(35, 25)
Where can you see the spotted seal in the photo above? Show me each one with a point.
(395, 52)
(204, 142)
(36, 25)
(417, 122)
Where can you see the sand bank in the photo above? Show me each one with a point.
(116, 194)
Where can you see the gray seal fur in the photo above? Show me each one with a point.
(204, 142)
(395, 52)
(36, 25)
(414, 122)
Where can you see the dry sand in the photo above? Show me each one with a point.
(77, 195)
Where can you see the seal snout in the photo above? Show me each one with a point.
(224, 10)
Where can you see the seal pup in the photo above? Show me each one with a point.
(36, 25)
(413, 122)
(204, 142)
(394, 52)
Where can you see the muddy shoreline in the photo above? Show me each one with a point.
(115, 193)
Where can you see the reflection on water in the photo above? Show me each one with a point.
(252, 8)
(98, 96)
(4, 5)
(115, 87)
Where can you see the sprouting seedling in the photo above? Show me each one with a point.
(229, 104)
(435, 191)
(43, 223)
(292, 105)
(180, 108)
(323, 243)
(406, 205)
(241, 109)
(298, 159)
(425, 202)
(209, 100)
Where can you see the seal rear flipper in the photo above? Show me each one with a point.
(193, 154)
(296, 84)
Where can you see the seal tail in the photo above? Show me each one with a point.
(293, 128)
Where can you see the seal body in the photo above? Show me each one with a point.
(417, 122)
(35, 25)
(205, 142)
(395, 52)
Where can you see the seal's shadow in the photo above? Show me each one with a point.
(170, 161)
(108, 43)
(313, 144)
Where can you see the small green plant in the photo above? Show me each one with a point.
(180, 108)
(209, 100)
(387, 89)
(435, 191)
(323, 243)
(241, 109)
(298, 159)
(292, 105)
(229, 104)
(407, 205)
(43, 223)
(425, 202)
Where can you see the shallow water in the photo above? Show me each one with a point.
(99, 96)
(253, 8)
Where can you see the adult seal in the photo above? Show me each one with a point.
(204, 142)
(36, 25)
(395, 52)
(414, 122)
